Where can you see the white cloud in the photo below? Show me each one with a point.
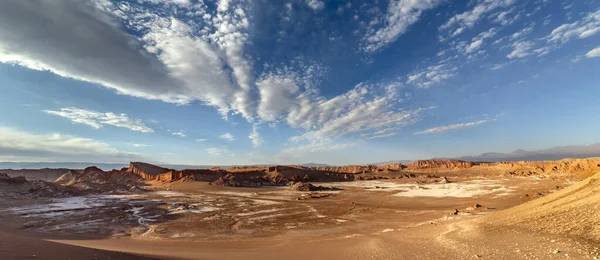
(364, 117)
(523, 32)
(16, 145)
(477, 42)
(504, 18)
(469, 18)
(586, 27)
(441, 129)
(521, 49)
(200, 140)
(257, 140)
(201, 57)
(219, 151)
(277, 92)
(475, 45)
(542, 51)
(181, 62)
(97, 119)
(593, 53)
(433, 75)
(179, 133)
(138, 145)
(227, 136)
(315, 4)
(400, 16)
(498, 66)
(57, 49)
(380, 136)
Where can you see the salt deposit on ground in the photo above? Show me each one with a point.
(195, 209)
(259, 212)
(60, 206)
(457, 190)
(467, 189)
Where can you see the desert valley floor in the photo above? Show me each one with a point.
(434, 209)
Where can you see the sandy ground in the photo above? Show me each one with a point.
(384, 219)
(14, 246)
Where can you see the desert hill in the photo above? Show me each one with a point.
(572, 211)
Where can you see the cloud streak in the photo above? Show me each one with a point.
(17, 145)
(441, 129)
(97, 119)
(593, 53)
(399, 17)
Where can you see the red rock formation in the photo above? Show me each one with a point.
(391, 167)
(348, 168)
(154, 173)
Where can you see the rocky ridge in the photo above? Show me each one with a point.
(19, 187)
(93, 179)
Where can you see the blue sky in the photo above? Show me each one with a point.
(250, 82)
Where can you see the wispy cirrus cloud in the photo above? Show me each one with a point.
(466, 20)
(441, 129)
(399, 17)
(97, 119)
(432, 75)
(521, 49)
(588, 26)
(196, 52)
(255, 137)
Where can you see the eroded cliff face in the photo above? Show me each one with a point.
(348, 168)
(439, 163)
(575, 167)
(283, 174)
(150, 172)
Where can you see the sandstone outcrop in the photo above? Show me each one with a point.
(439, 163)
(156, 173)
(348, 168)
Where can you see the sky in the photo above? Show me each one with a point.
(294, 81)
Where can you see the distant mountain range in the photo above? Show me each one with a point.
(554, 153)
(110, 166)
